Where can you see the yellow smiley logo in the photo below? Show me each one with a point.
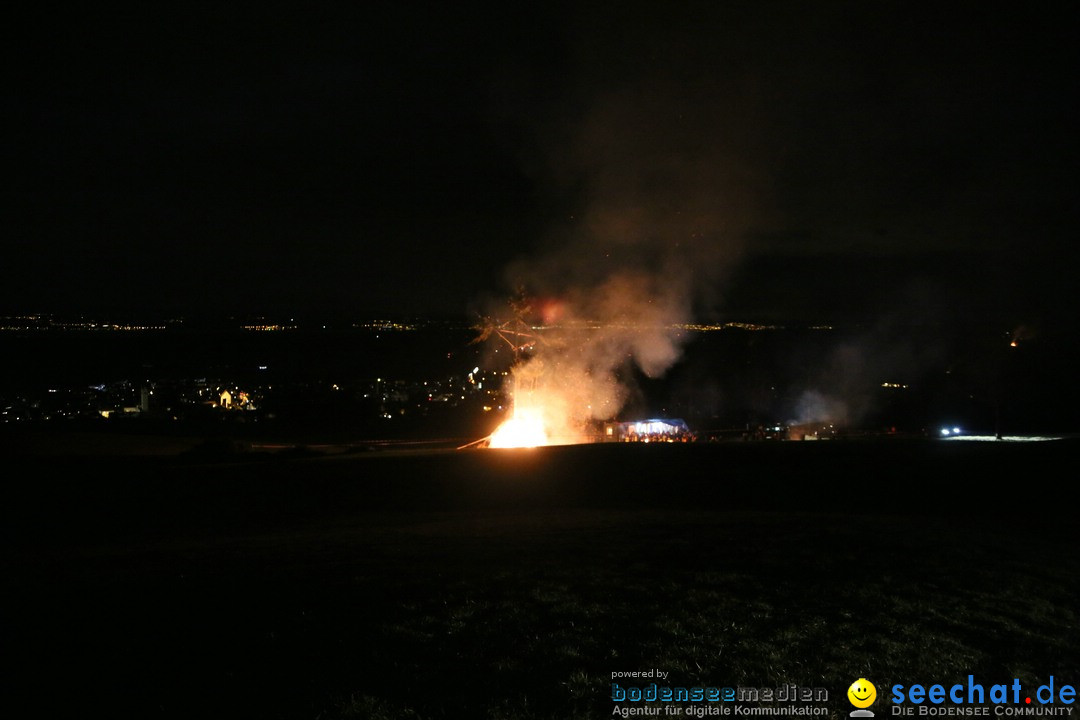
(862, 693)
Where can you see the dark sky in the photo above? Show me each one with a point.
(830, 159)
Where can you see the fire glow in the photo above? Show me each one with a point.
(524, 430)
(545, 412)
(569, 376)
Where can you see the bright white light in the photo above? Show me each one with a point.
(956, 431)
(944, 431)
(1006, 438)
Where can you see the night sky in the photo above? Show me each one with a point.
(812, 161)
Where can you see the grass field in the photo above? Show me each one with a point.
(512, 584)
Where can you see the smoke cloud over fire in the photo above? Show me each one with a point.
(578, 368)
(659, 201)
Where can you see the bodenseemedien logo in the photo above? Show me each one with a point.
(862, 695)
(698, 701)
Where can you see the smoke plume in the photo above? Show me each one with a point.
(659, 201)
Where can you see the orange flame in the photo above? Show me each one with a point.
(524, 429)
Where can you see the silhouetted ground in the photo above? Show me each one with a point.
(511, 584)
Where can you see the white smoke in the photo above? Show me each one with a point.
(658, 183)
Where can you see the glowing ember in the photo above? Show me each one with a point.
(525, 429)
